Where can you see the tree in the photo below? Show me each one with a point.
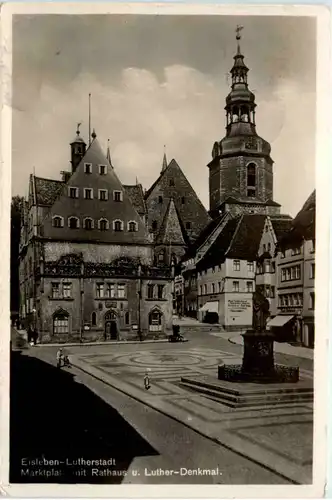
(16, 212)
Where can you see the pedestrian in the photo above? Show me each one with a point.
(147, 380)
(59, 358)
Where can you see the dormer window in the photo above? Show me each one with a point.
(103, 194)
(102, 169)
(118, 225)
(103, 224)
(73, 192)
(73, 222)
(88, 223)
(117, 196)
(88, 193)
(57, 221)
(88, 168)
(132, 226)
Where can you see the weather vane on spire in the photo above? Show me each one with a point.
(238, 32)
(78, 128)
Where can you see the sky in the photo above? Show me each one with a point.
(161, 81)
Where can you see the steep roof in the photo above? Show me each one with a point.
(204, 235)
(281, 225)
(247, 237)
(136, 196)
(216, 253)
(171, 231)
(239, 239)
(304, 224)
(47, 190)
(172, 183)
(65, 206)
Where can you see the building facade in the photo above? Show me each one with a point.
(87, 267)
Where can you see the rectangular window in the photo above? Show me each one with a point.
(103, 194)
(213, 288)
(205, 289)
(150, 291)
(73, 192)
(121, 291)
(286, 300)
(102, 169)
(312, 271)
(312, 300)
(288, 274)
(250, 286)
(250, 267)
(88, 168)
(219, 286)
(88, 193)
(273, 292)
(293, 273)
(201, 290)
(283, 274)
(100, 290)
(66, 290)
(273, 267)
(236, 286)
(236, 265)
(297, 272)
(117, 196)
(300, 298)
(267, 266)
(160, 291)
(55, 290)
(110, 290)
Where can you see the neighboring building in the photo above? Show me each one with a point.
(175, 214)
(241, 170)
(226, 273)
(86, 256)
(296, 279)
(275, 228)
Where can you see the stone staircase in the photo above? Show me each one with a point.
(247, 395)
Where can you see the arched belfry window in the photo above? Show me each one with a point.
(251, 180)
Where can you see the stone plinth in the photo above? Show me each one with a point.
(258, 357)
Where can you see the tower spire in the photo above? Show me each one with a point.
(89, 119)
(164, 160)
(108, 154)
(238, 37)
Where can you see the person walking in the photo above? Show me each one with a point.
(59, 358)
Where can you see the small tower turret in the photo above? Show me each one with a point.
(78, 149)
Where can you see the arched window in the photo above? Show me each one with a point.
(57, 221)
(251, 179)
(88, 223)
(61, 322)
(118, 225)
(155, 321)
(93, 319)
(127, 318)
(132, 226)
(103, 224)
(73, 222)
(154, 225)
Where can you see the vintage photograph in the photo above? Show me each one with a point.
(163, 192)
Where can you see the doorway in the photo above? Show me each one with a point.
(111, 327)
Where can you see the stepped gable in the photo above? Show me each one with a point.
(246, 240)
(217, 252)
(136, 195)
(96, 209)
(47, 190)
(172, 183)
(171, 231)
(304, 224)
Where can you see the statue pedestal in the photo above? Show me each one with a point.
(258, 357)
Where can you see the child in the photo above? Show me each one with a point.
(59, 358)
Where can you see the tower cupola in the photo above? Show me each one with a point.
(78, 149)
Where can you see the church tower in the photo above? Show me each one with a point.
(241, 170)
(78, 149)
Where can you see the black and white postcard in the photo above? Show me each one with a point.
(164, 271)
